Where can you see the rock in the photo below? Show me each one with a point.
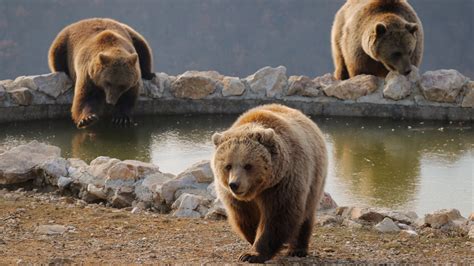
(3, 94)
(151, 90)
(387, 226)
(325, 80)
(53, 169)
(232, 86)
(64, 182)
(187, 205)
(471, 217)
(19, 164)
(468, 100)
(66, 98)
(327, 202)
(408, 233)
(211, 190)
(399, 86)
(214, 75)
(404, 217)
(471, 232)
(217, 211)
(444, 217)
(131, 170)
(193, 180)
(77, 163)
(366, 214)
(147, 190)
(192, 86)
(21, 96)
(303, 86)
(53, 229)
(353, 88)
(351, 224)
(268, 81)
(442, 85)
(100, 166)
(53, 84)
(326, 220)
(94, 193)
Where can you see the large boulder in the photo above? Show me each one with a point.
(444, 217)
(156, 87)
(268, 81)
(387, 226)
(20, 163)
(442, 85)
(468, 100)
(303, 86)
(399, 86)
(191, 206)
(194, 180)
(232, 86)
(194, 85)
(353, 88)
(53, 84)
(21, 96)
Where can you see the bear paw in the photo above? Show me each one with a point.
(253, 258)
(297, 253)
(87, 121)
(122, 120)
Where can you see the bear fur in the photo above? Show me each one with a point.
(106, 60)
(270, 168)
(374, 37)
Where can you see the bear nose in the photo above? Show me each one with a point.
(407, 72)
(234, 186)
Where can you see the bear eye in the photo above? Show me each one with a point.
(396, 55)
(248, 167)
(228, 167)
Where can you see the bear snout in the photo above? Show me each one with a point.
(234, 186)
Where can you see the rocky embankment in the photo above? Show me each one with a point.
(143, 187)
(440, 94)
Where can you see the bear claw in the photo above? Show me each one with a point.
(252, 258)
(297, 253)
(122, 120)
(88, 121)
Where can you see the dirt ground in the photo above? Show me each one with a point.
(98, 234)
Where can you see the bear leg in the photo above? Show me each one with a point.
(123, 109)
(299, 247)
(244, 218)
(86, 106)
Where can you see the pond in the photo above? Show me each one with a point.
(407, 165)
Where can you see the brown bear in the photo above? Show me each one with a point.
(106, 60)
(374, 37)
(270, 168)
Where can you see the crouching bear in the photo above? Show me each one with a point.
(106, 60)
(270, 169)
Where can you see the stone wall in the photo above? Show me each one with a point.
(441, 95)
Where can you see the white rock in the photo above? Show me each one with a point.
(147, 191)
(214, 75)
(64, 182)
(77, 163)
(53, 169)
(366, 214)
(268, 81)
(471, 232)
(325, 80)
(232, 86)
(97, 192)
(387, 226)
(303, 86)
(18, 164)
(442, 85)
(194, 85)
(353, 88)
(131, 170)
(21, 96)
(211, 190)
(468, 100)
(100, 166)
(202, 171)
(408, 233)
(351, 224)
(187, 205)
(397, 86)
(404, 217)
(53, 229)
(217, 211)
(53, 84)
(444, 217)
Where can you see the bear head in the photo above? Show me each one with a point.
(392, 42)
(115, 72)
(243, 160)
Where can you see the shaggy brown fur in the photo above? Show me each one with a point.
(106, 59)
(270, 169)
(374, 37)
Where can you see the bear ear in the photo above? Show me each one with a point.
(133, 59)
(380, 29)
(411, 27)
(104, 59)
(216, 138)
(265, 136)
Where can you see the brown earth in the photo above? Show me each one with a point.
(98, 234)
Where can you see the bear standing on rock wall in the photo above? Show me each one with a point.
(106, 60)
(374, 37)
(270, 169)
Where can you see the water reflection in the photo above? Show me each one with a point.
(377, 162)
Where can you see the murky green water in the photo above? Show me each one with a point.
(421, 166)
